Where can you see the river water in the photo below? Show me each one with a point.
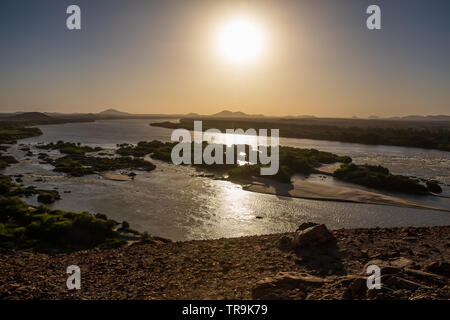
(174, 202)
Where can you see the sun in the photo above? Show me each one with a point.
(241, 40)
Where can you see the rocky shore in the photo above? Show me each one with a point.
(310, 264)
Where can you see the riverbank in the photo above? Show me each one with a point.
(232, 268)
(320, 191)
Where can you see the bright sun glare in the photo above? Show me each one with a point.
(241, 41)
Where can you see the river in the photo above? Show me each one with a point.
(174, 202)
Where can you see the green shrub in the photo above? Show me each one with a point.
(244, 172)
(68, 148)
(42, 229)
(434, 187)
(48, 196)
(378, 177)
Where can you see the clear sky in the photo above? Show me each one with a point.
(143, 56)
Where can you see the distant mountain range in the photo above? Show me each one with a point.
(114, 113)
(236, 114)
(422, 118)
(306, 116)
(29, 116)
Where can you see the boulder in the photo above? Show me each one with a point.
(312, 235)
(306, 225)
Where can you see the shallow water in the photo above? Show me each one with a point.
(172, 202)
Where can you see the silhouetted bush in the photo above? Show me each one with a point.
(378, 177)
(434, 187)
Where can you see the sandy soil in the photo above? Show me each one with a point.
(319, 191)
(116, 177)
(230, 268)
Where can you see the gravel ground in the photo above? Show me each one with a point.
(231, 268)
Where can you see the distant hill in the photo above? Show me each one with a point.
(30, 116)
(236, 114)
(424, 118)
(303, 116)
(113, 112)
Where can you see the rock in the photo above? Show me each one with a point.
(401, 262)
(306, 225)
(285, 243)
(356, 287)
(277, 286)
(312, 235)
(442, 268)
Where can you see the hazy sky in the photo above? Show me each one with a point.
(145, 56)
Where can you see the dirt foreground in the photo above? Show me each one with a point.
(413, 262)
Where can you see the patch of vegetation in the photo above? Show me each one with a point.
(378, 177)
(42, 229)
(81, 165)
(246, 172)
(10, 133)
(69, 148)
(72, 167)
(44, 157)
(39, 228)
(433, 187)
(77, 164)
(157, 149)
(9, 189)
(6, 160)
(292, 160)
(125, 228)
(48, 196)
